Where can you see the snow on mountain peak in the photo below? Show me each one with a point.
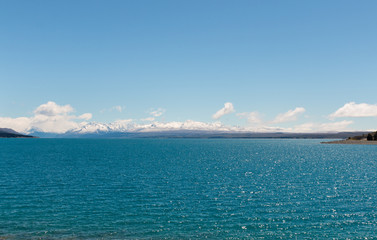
(129, 126)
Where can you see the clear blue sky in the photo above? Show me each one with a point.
(189, 58)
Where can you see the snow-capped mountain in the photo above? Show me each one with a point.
(129, 126)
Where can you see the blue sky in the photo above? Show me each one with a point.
(125, 59)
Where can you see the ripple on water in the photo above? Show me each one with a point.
(186, 188)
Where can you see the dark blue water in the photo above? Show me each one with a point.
(186, 188)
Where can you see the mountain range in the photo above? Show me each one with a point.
(188, 129)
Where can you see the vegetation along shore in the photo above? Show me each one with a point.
(364, 139)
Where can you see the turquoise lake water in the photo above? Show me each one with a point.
(186, 189)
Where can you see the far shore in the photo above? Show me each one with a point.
(354, 142)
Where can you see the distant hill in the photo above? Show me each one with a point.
(198, 134)
(10, 133)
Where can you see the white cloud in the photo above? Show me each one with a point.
(157, 112)
(20, 124)
(55, 124)
(335, 126)
(324, 127)
(289, 116)
(48, 117)
(52, 109)
(256, 123)
(148, 119)
(306, 127)
(353, 109)
(118, 108)
(228, 108)
(86, 116)
(252, 117)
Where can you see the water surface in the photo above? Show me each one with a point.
(186, 188)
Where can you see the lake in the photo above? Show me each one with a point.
(186, 189)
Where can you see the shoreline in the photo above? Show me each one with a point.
(352, 142)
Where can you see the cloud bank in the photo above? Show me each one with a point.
(48, 117)
(54, 118)
(323, 127)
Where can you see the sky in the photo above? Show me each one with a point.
(301, 66)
